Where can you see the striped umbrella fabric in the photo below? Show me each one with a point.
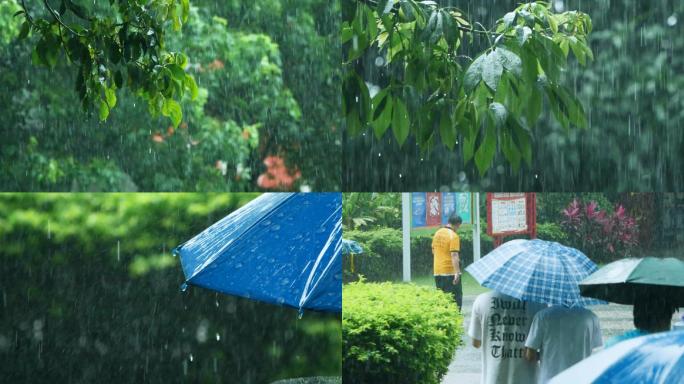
(537, 271)
(655, 358)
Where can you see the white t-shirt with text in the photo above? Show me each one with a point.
(501, 324)
(563, 336)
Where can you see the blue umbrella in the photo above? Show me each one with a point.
(281, 248)
(655, 358)
(351, 247)
(536, 270)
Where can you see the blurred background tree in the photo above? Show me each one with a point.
(633, 141)
(267, 77)
(90, 293)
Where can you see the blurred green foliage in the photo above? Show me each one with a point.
(90, 292)
(398, 333)
(266, 74)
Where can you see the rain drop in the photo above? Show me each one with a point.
(218, 337)
(379, 61)
(118, 250)
(559, 6)
(672, 20)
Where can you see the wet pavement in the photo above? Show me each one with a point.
(466, 366)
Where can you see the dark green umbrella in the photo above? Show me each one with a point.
(629, 280)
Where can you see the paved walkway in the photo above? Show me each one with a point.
(466, 366)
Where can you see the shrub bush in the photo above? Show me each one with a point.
(603, 235)
(398, 333)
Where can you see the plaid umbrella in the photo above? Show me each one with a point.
(350, 247)
(536, 270)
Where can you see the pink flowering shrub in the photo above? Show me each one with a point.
(603, 236)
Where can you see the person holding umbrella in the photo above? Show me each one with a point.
(561, 336)
(446, 246)
(651, 315)
(525, 276)
(654, 286)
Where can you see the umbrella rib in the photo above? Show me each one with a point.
(336, 230)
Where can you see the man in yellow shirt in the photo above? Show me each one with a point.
(446, 248)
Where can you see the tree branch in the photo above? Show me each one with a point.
(374, 4)
(55, 15)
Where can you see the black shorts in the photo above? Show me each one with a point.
(446, 284)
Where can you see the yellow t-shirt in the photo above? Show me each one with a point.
(444, 242)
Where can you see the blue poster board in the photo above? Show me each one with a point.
(459, 202)
(418, 210)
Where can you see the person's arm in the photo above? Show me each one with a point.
(456, 262)
(475, 329)
(533, 343)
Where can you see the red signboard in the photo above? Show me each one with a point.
(511, 214)
(434, 209)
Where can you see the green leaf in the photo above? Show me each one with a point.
(524, 141)
(186, 9)
(400, 121)
(553, 24)
(77, 9)
(437, 31)
(447, 130)
(385, 6)
(498, 113)
(110, 97)
(384, 117)
(509, 19)
(118, 78)
(485, 153)
(492, 70)
(172, 109)
(509, 60)
(104, 110)
(25, 29)
(534, 105)
(473, 74)
(523, 34)
(510, 151)
(177, 72)
(191, 85)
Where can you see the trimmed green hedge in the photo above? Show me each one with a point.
(398, 333)
(381, 260)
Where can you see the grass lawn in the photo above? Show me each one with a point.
(470, 286)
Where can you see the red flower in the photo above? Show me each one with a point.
(277, 176)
